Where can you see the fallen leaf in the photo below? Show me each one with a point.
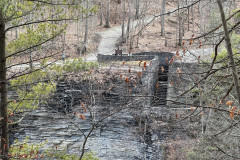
(126, 80)
(184, 51)
(191, 41)
(82, 116)
(82, 104)
(78, 115)
(192, 108)
(145, 64)
(231, 115)
(5, 146)
(180, 58)
(177, 53)
(220, 103)
(166, 60)
(229, 103)
(130, 90)
(179, 71)
(162, 69)
(170, 62)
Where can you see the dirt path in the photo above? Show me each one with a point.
(109, 39)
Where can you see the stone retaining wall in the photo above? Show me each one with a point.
(144, 56)
(132, 134)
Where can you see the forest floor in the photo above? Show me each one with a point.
(109, 39)
(150, 39)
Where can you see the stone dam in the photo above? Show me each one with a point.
(123, 121)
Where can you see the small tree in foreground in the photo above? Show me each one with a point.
(37, 24)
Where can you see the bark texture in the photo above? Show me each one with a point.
(163, 18)
(3, 91)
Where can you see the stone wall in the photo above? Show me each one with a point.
(144, 56)
(110, 58)
(135, 132)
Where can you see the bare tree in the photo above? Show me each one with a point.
(107, 19)
(137, 3)
(163, 18)
(123, 22)
(3, 91)
(101, 13)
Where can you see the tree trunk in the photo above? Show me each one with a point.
(86, 28)
(200, 16)
(129, 21)
(128, 28)
(163, 18)
(123, 22)
(132, 37)
(107, 24)
(116, 8)
(78, 30)
(30, 54)
(101, 13)
(188, 14)
(192, 18)
(229, 50)
(137, 9)
(179, 26)
(3, 91)
(84, 46)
